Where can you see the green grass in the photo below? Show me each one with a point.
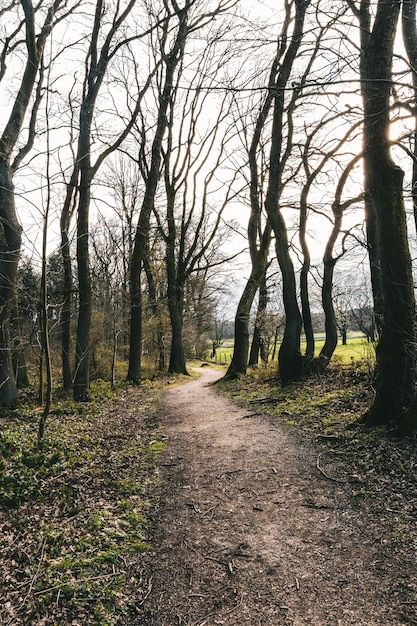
(74, 515)
(357, 348)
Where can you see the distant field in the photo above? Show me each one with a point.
(357, 348)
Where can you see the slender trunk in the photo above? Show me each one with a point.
(46, 352)
(258, 348)
(305, 270)
(18, 353)
(66, 312)
(155, 312)
(329, 263)
(330, 323)
(239, 362)
(289, 357)
(114, 355)
(82, 351)
(142, 230)
(177, 363)
(10, 242)
(306, 309)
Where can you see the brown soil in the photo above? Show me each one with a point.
(257, 527)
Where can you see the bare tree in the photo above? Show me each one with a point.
(177, 25)
(290, 362)
(10, 160)
(103, 48)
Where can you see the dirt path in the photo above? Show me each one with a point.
(255, 528)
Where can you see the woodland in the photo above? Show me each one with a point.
(174, 174)
(147, 146)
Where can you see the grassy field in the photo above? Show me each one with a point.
(357, 349)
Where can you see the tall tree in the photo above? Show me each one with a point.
(259, 227)
(290, 362)
(329, 263)
(103, 48)
(10, 228)
(173, 33)
(396, 350)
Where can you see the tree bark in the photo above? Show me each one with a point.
(68, 283)
(239, 362)
(153, 301)
(258, 347)
(305, 270)
(330, 323)
(177, 363)
(82, 348)
(10, 242)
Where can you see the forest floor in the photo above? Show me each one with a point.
(190, 509)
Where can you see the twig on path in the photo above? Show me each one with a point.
(321, 470)
(311, 505)
(227, 564)
(209, 510)
(222, 613)
(230, 472)
(148, 593)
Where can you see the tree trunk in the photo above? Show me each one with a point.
(177, 364)
(396, 351)
(18, 353)
(10, 229)
(239, 362)
(82, 350)
(155, 312)
(330, 342)
(289, 356)
(65, 321)
(66, 314)
(142, 231)
(10, 242)
(305, 270)
(255, 346)
(258, 348)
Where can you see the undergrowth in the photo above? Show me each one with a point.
(73, 516)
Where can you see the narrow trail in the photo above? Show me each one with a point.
(254, 527)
